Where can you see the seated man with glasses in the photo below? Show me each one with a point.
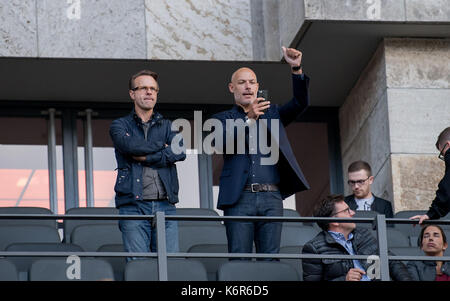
(441, 203)
(343, 238)
(360, 180)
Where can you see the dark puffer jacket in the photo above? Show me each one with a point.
(336, 269)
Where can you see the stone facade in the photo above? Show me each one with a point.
(184, 30)
(199, 30)
(18, 36)
(381, 10)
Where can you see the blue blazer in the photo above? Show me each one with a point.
(236, 166)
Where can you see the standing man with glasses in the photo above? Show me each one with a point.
(441, 203)
(360, 180)
(147, 179)
(343, 238)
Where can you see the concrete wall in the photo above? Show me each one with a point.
(184, 30)
(142, 29)
(364, 125)
(393, 116)
(418, 81)
(378, 10)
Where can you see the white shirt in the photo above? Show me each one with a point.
(364, 204)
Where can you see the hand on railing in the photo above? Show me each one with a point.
(421, 218)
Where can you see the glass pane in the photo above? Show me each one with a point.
(104, 164)
(24, 179)
(104, 179)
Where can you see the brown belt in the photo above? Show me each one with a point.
(256, 187)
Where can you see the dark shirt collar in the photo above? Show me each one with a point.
(238, 109)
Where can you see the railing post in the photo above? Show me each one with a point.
(383, 247)
(51, 153)
(161, 245)
(89, 159)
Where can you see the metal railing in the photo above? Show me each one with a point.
(378, 223)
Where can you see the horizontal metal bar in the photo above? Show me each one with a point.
(415, 221)
(75, 217)
(174, 255)
(216, 255)
(424, 258)
(178, 217)
(212, 218)
(80, 254)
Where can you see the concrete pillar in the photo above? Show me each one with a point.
(392, 118)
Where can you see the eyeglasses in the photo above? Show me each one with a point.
(441, 154)
(143, 88)
(345, 210)
(359, 182)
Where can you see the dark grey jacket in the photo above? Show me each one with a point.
(336, 269)
(426, 270)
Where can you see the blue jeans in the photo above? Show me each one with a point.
(266, 235)
(139, 235)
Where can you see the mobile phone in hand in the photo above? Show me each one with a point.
(264, 94)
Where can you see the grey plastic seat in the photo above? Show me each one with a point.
(408, 229)
(395, 238)
(91, 237)
(211, 264)
(27, 210)
(178, 269)
(27, 233)
(57, 269)
(295, 263)
(69, 225)
(198, 212)
(365, 214)
(257, 271)
(291, 213)
(446, 227)
(23, 263)
(297, 236)
(190, 235)
(406, 251)
(8, 271)
(117, 263)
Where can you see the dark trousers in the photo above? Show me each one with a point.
(265, 235)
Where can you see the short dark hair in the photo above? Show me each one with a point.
(358, 165)
(326, 208)
(443, 136)
(420, 238)
(140, 73)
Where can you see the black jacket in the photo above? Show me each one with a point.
(236, 166)
(379, 205)
(426, 270)
(441, 204)
(336, 269)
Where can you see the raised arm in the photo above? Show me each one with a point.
(300, 85)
